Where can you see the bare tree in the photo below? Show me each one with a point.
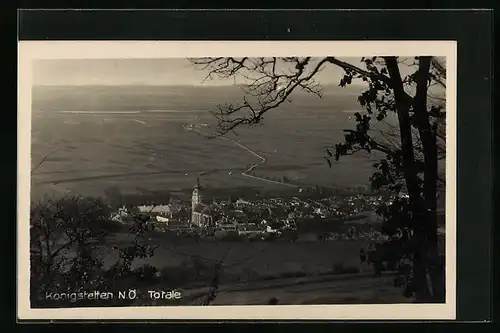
(412, 148)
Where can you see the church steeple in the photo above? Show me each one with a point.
(196, 197)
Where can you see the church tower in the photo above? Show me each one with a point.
(198, 209)
(196, 197)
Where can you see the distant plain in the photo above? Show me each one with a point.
(132, 137)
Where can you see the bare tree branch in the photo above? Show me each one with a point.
(270, 87)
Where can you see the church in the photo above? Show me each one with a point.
(200, 213)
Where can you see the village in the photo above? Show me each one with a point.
(329, 218)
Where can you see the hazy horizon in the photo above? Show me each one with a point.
(163, 85)
(148, 72)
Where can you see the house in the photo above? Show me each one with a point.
(250, 229)
(178, 226)
(162, 219)
(269, 229)
(201, 216)
(228, 227)
(321, 212)
(155, 209)
(241, 202)
(120, 214)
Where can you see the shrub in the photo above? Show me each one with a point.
(339, 268)
(146, 273)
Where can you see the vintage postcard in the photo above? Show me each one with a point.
(237, 180)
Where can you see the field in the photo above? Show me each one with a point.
(332, 289)
(268, 258)
(255, 272)
(133, 139)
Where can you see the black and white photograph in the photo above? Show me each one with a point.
(183, 176)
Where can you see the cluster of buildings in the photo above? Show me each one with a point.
(256, 217)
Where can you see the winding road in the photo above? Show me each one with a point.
(247, 172)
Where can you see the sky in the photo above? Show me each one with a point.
(177, 71)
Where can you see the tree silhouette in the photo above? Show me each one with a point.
(412, 147)
(67, 235)
(64, 235)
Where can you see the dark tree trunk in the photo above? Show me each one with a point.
(403, 112)
(418, 222)
(429, 144)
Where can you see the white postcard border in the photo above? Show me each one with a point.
(31, 50)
